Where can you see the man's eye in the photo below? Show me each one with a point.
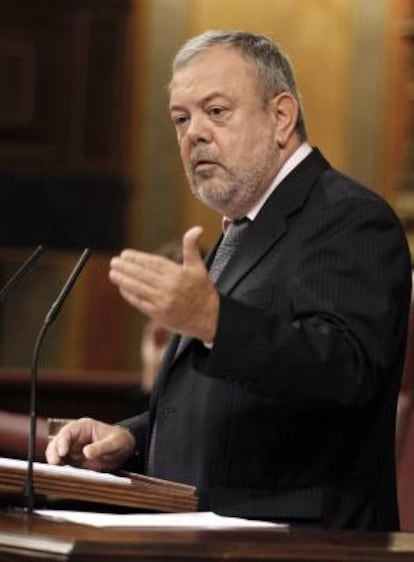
(216, 111)
(179, 120)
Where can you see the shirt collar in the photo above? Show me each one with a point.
(300, 154)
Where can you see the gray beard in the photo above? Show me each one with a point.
(234, 201)
(215, 198)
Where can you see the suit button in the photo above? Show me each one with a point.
(168, 411)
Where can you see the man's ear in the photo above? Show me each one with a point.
(285, 109)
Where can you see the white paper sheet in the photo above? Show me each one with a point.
(78, 473)
(198, 520)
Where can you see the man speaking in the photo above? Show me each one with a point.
(277, 397)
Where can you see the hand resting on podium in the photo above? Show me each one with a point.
(91, 444)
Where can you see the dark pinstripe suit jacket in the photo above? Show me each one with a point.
(291, 415)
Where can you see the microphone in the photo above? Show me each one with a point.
(20, 273)
(29, 493)
(57, 305)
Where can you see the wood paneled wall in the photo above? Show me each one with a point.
(63, 84)
(65, 93)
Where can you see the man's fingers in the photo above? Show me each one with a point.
(69, 442)
(63, 446)
(119, 442)
(52, 455)
(58, 448)
(105, 446)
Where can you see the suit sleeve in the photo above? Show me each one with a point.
(139, 427)
(345, 330)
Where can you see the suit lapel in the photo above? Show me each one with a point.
(260, 238)
(271, 223)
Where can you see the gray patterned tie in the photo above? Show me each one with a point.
(231, 239)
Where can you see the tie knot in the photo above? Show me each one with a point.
(241, 222)
(231, 239)
(235, 230)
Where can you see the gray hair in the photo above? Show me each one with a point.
(274, 70)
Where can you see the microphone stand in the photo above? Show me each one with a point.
(24, 268)
(29, 492)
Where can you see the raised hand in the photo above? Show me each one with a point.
(180, 297)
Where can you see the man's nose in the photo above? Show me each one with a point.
(199, 130)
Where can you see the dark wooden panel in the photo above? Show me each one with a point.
(106, 395)
(35, 55)
(63, 109)
(63, 210)
(63, 101)
(17, 77)
(64, 129)
(106, 88)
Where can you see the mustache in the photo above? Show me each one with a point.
(203, 155)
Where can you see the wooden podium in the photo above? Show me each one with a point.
(128, 490)
(31, 538)
(34, 538)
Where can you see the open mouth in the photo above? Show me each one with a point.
(204, 165)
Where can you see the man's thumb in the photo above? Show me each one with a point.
(191, 250)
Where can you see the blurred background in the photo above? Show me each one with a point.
(88, 158)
